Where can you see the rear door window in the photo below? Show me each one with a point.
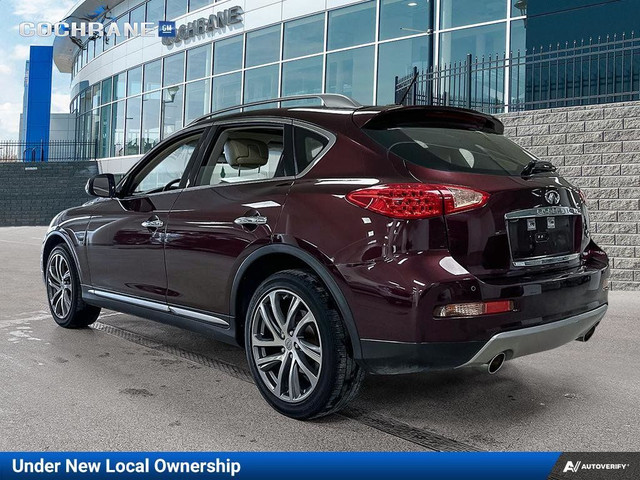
(454, 150)
(246, 154)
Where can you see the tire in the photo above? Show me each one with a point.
(311, 373)
(64, 292)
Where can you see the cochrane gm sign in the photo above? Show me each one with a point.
(215, 21)
(168, 31)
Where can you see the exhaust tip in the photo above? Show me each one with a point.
(587, 336)
(496, 363)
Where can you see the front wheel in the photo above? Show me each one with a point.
(297, 347)
(63, 291)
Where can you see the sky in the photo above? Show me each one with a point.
(15, 54)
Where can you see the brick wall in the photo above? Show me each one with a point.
(598, 149)
(33, 193)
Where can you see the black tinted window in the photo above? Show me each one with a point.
(308, 146)
(454, 150)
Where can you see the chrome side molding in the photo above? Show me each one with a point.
(131, 300)
(159, 306)
(183, 312)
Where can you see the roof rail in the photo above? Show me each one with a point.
(329, 100)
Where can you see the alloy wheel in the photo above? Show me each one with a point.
(59, 285)
(286, 345)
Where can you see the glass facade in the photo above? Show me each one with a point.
(357, 50)
(350, 72)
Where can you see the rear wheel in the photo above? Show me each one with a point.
(297, 347)
(63, 291)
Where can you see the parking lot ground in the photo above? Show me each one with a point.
(131, 384)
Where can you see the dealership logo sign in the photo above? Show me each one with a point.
(84, 29)
(166, 30)
(215, 21)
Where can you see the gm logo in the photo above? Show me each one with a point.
(166, 29)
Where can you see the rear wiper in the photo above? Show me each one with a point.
(537, 166)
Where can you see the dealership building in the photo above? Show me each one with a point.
(129, 92)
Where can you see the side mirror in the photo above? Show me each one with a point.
(103, 185)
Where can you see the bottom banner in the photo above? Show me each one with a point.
(316, 466)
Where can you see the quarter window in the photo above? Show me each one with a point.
(308, 146)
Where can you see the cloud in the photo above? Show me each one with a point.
(60, 102)
(41, 10)
(9, 120)
(20, 53)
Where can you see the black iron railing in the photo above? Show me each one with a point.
(54, 151)
(589, 72)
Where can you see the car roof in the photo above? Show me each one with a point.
(369, 116)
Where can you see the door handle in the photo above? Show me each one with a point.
(257, 220)
(153, 224)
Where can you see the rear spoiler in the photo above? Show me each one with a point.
(426, 116)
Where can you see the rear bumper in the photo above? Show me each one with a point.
(382, 357)
(526, 341)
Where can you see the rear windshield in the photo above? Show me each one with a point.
(454, 150)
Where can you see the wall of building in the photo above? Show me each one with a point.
(597, 148)
(63, 127)
(33, 193)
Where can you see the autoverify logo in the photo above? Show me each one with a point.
(579, 466)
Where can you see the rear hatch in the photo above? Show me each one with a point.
(532, 218)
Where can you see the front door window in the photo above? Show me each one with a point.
(166, 169)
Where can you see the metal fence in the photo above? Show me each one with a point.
(54, 151)
(601, 71)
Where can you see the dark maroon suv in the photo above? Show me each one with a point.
(335, 240)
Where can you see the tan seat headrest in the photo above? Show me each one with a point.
(246, 153)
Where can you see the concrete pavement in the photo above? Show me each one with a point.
(131, 384)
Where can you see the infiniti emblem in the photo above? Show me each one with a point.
(553, 197)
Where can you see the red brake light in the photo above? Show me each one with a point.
(417, 200)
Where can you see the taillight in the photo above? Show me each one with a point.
(583, 197)
(417, 200)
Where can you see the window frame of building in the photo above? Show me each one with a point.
(340, 22)
(255, 41)
(290, 28)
